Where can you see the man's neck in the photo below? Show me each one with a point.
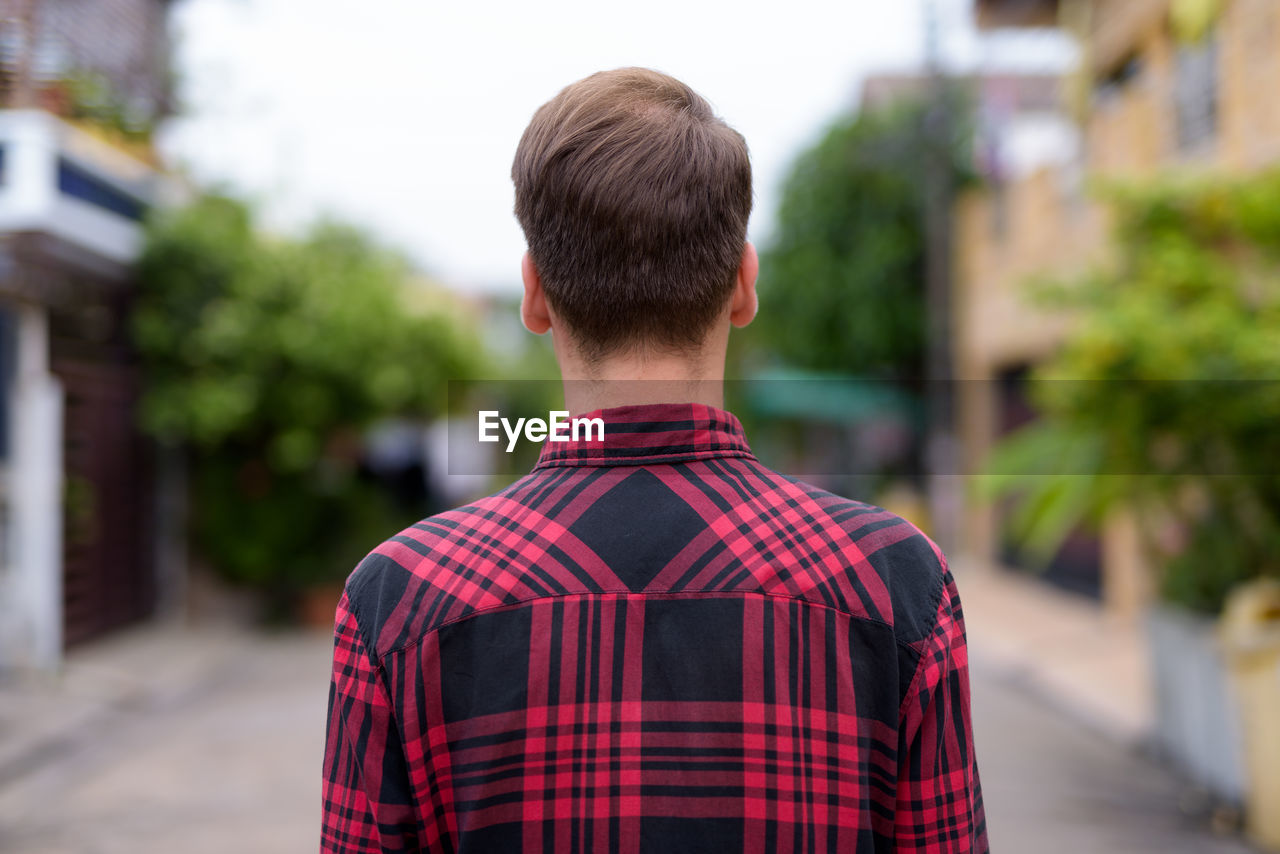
(642, 377)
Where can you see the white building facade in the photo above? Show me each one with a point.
(71, 207)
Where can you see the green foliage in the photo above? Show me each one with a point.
(281, 532)
(842, 281)
(1166, 399)
(267, 358)
(94, 99)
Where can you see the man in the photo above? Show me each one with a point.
(650, 643)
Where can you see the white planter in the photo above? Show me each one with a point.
(1197, 723)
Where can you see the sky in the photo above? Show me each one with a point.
(403, 115)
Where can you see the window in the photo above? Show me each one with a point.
(1195, 93)
(1109, 86)
(79, 183)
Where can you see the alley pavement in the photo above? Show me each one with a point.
(166, 739)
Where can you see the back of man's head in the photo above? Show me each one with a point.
(634, 198)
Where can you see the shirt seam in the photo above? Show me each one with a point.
(379, 668)
(644, 459)
(926, 641)
(379, 674)
(654, 594)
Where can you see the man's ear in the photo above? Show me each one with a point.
(533, 305)
(744, 302)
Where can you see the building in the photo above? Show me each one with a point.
(81, 84)
(1161, 85)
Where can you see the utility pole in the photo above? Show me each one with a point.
(940, 442)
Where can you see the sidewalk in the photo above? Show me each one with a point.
(1061, 647)
(1052, 786)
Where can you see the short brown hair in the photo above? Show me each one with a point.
(634, 198)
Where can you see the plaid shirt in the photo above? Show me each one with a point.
(652, 644)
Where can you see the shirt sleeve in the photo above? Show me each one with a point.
(367, 803)
(939, 805)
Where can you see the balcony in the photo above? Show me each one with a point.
(70, 196)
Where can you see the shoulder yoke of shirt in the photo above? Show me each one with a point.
(671, 503)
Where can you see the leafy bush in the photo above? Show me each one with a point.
(1165, 401)
(267, 358)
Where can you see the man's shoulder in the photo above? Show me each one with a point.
(436, 570)
(902, 571)
(791, 537)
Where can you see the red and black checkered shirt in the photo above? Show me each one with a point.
(652, 644)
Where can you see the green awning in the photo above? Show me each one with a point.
(819, 396)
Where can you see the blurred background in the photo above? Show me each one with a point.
(1020, 283)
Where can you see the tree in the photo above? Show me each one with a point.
(266, 358)
(1165, 400)
(842, 281)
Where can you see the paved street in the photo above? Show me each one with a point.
(162, 741)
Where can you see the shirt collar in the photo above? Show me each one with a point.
(651, 434)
